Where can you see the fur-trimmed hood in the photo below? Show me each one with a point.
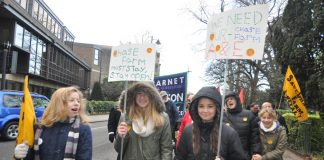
(143, 87)
(208, 92)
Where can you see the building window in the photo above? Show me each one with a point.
(35, 10)
(23, 3)
(68, 39)
(44, 18)
(38, 57)
(19, 35)
(96, 57)
(58, 31)
(32, 56)
(53, 26)
(26, 41)
(40, 14)
(49, 22)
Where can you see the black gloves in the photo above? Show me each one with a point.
(111, 137)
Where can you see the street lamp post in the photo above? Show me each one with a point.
(4, 64)
(157, 41)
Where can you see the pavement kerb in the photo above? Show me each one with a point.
(98, 118)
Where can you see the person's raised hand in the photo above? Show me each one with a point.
(122, 129)
(21, 150)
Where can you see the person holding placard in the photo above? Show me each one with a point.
(199, 140)
(144, 129)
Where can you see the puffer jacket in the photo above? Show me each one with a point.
(54, 141)
(231, 148)
(274, 143)
(245, 124)
(158, 145)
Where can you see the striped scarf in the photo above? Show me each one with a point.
(71, 143)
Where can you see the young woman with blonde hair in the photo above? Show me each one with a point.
(63, 132)
(272, 135)
(146, 131)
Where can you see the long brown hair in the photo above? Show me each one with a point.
(213, 137)
(56, 109)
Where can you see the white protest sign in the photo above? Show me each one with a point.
(134, 62)
(237, 34)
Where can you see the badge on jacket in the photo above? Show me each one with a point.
(40, 141)
(245, 119)
(270, 141)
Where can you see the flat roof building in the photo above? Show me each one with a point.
(34, 42)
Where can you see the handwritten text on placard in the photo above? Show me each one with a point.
(237, 34)
(132, 63)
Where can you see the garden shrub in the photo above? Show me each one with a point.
(100, 107)
(299, 132)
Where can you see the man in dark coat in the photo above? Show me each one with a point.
(254, 108)
(172, 111)
(245, 124)
(113, 120)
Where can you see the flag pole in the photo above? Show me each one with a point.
(124, 119)
(280, 100)
(222, 111)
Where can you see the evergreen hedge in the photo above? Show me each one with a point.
(100, 107)
(302, 133)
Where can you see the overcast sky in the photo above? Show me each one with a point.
(110, 22)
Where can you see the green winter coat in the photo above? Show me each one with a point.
(157, 146)
(274, 143)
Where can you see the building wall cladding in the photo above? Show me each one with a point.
(87, 52)
(51, 65)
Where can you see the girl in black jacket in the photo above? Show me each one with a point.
(200, 139)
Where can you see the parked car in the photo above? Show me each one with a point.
(10, 103)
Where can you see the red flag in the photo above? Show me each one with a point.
(242, 95)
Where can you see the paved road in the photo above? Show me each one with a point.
(102, 148)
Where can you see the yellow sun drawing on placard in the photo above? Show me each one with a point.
(218, 47)
(149, 50)
(250, 52)
(211, 37)
(115, 53)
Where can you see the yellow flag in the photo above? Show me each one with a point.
(294, 96)
(27, 118)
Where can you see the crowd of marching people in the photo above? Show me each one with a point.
(143, 124)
